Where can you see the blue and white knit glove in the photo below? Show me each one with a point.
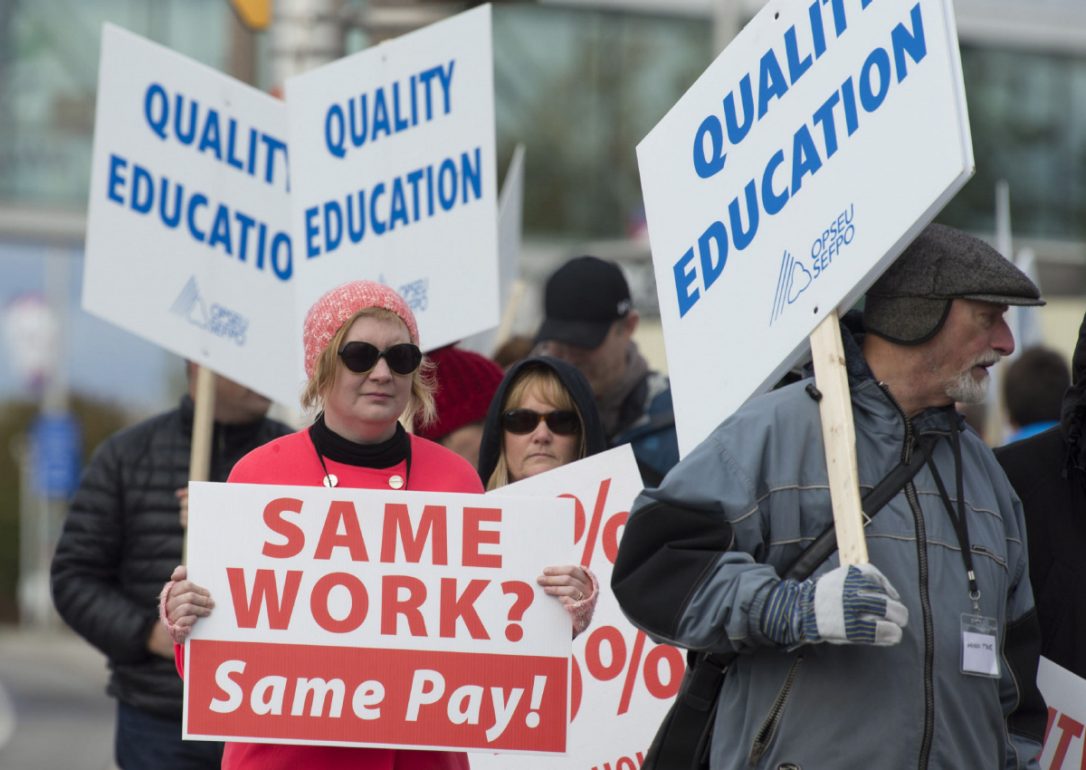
(852, 604)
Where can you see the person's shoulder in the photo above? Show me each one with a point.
(276, 455)
(1039, 445)
(275, 428)
(786, 402)
(785, 416)
(658, 394)
(1034, 459)
(658, 384)
(138, 437)
(440, 469)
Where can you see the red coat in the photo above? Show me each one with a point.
(293, 460)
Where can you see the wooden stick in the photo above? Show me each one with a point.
(839, 439)
(509, 315)
(203, 426)
(203, 423)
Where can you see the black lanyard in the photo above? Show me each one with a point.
(961, 524)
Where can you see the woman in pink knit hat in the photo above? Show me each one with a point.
(365, 372)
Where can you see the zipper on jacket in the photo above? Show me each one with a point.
(925, 598)
(765, 733)
(929, 642)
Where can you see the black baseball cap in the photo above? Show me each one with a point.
(581, 301)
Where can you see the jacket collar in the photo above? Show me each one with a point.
(938, 419)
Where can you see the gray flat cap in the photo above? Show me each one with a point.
(911, 300)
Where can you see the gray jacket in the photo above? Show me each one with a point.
(701, 552)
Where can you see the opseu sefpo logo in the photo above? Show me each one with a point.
(795, 276)
(215, 318)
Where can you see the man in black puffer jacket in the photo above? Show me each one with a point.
(121, 540)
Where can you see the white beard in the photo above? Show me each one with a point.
(967, 389)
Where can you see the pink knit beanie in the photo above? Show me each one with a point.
(466, 384)
(333, 309)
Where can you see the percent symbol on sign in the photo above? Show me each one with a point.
(598, 529)
(627, 662)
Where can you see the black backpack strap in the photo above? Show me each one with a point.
(685, 736)
(873, 502)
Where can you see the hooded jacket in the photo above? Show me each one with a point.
(576, 385)
(1049, 473)
(700, 554)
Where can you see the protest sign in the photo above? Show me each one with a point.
(393, 175)
(788, 177)
(364, 617)
(510, 219)
(1065, 695)
(188, 241)
(623, 682)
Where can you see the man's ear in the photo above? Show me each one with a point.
(629, 323)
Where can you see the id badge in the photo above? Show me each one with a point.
(979, 652)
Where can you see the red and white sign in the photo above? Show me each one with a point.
(1065, 735)
(368, 618)
(623, 682)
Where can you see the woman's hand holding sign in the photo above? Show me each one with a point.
(182, 603)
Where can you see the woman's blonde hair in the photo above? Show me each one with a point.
(548, 388)
(421, 404)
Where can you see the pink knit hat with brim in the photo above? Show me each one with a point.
(334, 309)
(466, 384)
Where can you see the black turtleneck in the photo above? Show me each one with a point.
(381, 455)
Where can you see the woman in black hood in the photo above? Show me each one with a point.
(544, 416)
(1048, 472)
(546, 382)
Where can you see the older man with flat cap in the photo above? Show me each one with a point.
(925, 657)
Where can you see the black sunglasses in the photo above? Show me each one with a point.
(361, 357)
(561, 421)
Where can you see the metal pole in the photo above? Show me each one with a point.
(726, 23)
(305, 34)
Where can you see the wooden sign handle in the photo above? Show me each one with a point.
(839, 439)
(203, 426)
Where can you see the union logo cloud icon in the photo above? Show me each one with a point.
(792, 280)
(801, 279)
(190, 305)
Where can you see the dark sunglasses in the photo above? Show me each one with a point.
(561, 422)
(361, 357)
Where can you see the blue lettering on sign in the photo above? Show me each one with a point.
(832, 240)
(794, 277)
(183, 119)
(394, 204)
(215, 224)
(416, 294)
(389, 109)
(813, 143)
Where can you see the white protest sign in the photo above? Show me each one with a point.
(393, 175)
(786, 179)
(623, 682)
(188, 242)
(1065, 695)
(510, 219)
(364, 617)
